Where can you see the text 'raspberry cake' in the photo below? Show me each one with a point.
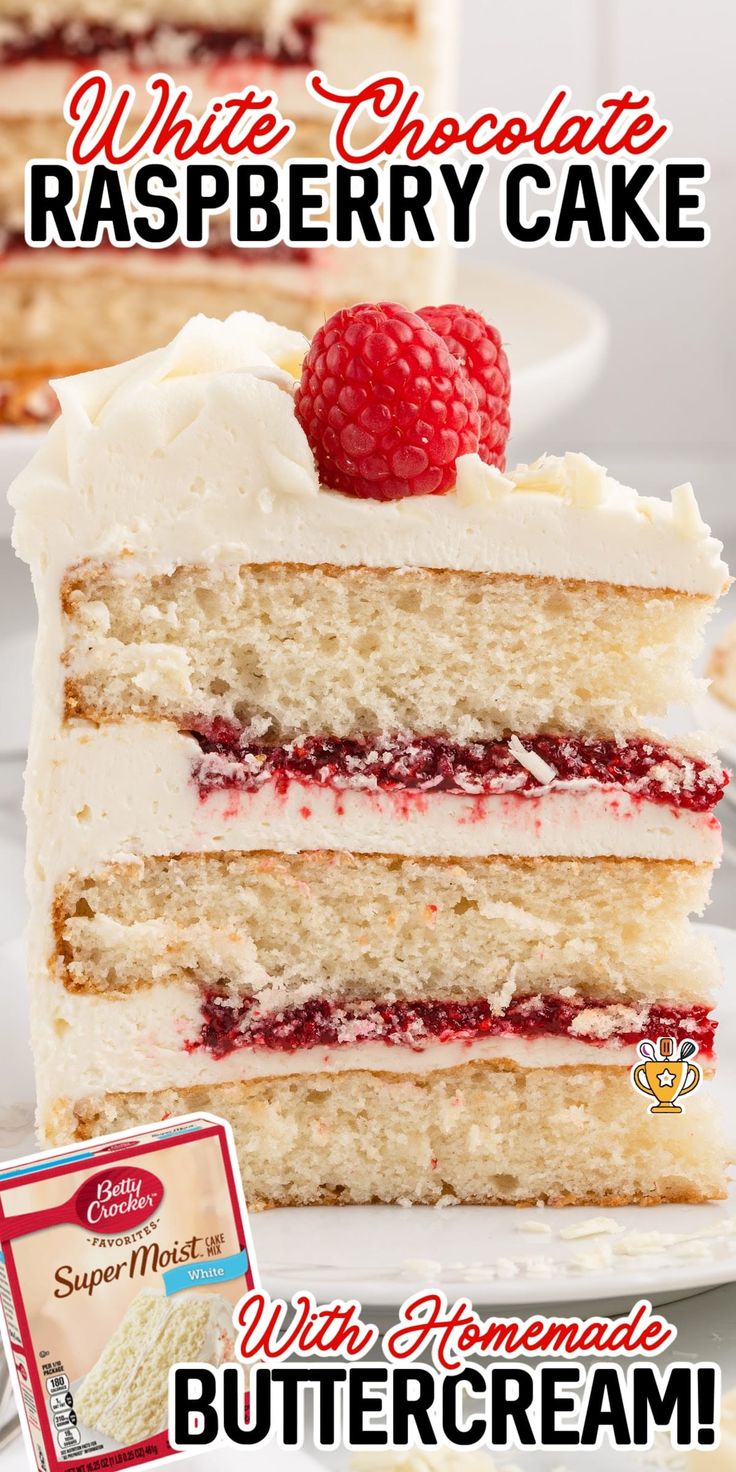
(346, 818)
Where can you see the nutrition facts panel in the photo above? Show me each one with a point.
(62, 1414)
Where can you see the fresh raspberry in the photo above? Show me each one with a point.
(478, 347)
(385, 406)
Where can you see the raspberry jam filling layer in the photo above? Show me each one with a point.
(159, 45)
(228, 1025)
(230, 760)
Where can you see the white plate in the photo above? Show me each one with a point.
(379, 1253)
(556, 341)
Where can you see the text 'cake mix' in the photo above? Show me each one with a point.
(118, 1262)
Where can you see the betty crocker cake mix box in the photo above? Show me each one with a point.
(117, 1262)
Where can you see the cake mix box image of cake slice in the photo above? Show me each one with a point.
(62, 310)
(348, 816)
(118, 1262)
(125, 1395)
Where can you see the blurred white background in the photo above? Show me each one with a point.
(663, 409)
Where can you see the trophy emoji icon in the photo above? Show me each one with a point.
(667, 1074)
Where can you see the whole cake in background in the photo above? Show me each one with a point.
(346, 820)
(65, 310)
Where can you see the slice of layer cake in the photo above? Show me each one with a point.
(346, 816)
(63, 310)
(125, 1395)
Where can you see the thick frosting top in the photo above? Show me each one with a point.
(194, 453)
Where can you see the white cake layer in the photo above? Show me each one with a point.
(136, 1043)
(347, 51)
(130, 788)
(194, 454)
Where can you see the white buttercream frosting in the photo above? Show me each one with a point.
(194, 453)
(146, 769)
(137, 1042)
(126, 790)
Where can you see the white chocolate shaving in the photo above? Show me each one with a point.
(477, 482)
(535, 764)
(595, 1226)
(586, 481)
(425, 1269)
(686, 514)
